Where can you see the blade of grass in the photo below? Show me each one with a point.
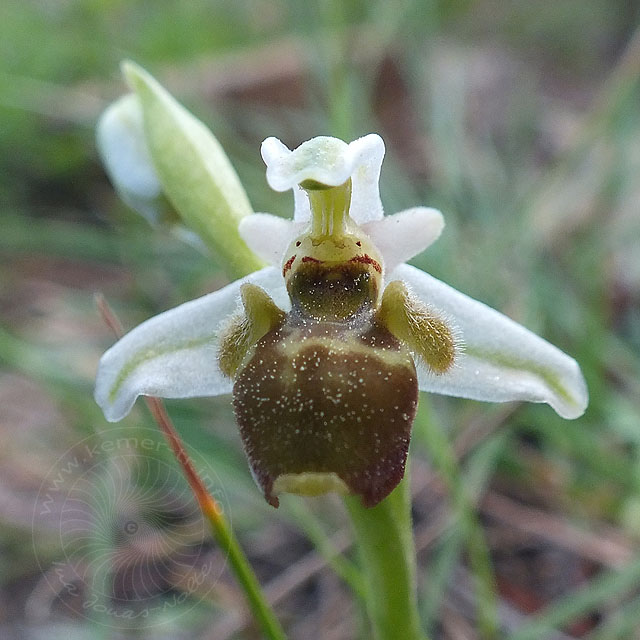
(441, 570)
(480, 468)
(443, 456)
(622, 81)
(343, 568)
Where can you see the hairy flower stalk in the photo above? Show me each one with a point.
(324, 350)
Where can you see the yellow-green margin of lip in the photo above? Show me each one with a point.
(309, 484)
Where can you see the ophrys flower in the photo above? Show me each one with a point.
(325, 350)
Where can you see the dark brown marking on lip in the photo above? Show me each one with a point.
(288, 264)
(367, 259)
(310, 259)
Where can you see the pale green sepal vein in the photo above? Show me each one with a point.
(509, 361)
(149, 354)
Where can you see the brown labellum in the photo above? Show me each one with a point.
(328, 398)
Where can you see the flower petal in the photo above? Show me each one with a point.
(268, 236)
(301, 205)
(174, 354)
(126, 158)
(322, 159)
(332, 162)
(367, 153)
(404, 235)
(502, 360)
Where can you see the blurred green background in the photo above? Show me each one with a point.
(519, 120)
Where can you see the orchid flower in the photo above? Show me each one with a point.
(326, 348)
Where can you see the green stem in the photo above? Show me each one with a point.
(385, 543)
